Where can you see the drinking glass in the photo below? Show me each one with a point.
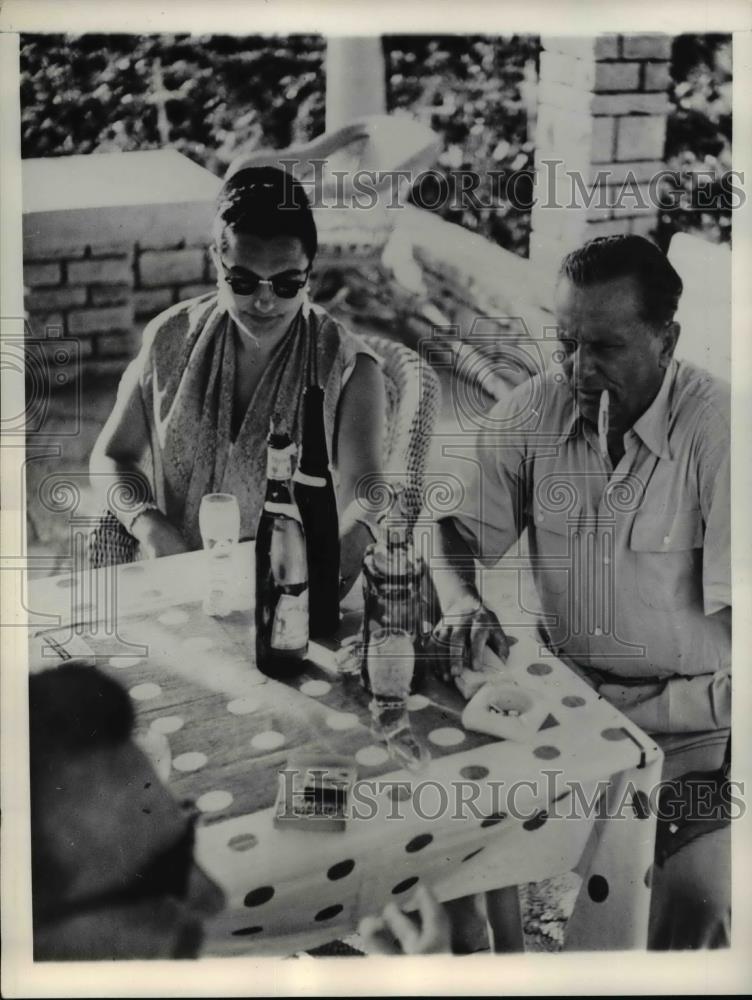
(219, 524)
(390, 661)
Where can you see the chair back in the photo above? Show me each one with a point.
(413, 399)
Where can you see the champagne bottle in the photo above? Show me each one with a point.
(281, 566)
(314, 495)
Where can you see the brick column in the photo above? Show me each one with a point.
(602, 111)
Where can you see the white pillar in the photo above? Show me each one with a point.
(355, 80)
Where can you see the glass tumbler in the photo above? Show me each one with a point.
(219, 524)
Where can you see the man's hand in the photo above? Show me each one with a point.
(156, 536)
(465, 629)
(395, 932)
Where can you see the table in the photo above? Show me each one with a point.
(230, 730)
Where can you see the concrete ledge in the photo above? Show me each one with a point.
(490, 302)
(114, 200)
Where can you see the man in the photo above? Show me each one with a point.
(113, 871)
(617, 465)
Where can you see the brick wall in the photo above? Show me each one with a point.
(104, 296)
(602, 109)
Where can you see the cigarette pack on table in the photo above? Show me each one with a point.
(313, 793)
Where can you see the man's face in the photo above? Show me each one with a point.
(124, 848)
(607, 344)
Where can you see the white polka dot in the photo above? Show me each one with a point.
(269, 740)
(121, 662)
(214, 801)
(143, 692)
(198, 644)
(370, 756)
(167, 724)
(446, 737)
(417, 701)
(242, 706)
(316, 689)
(341, 720)
(190, 761)
(174, 617)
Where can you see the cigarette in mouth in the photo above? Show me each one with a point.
(603, 424)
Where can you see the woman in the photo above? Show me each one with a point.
(193, 408)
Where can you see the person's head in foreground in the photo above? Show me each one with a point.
(113, 869)
(264, 245)
(113, 873)
(615, 302)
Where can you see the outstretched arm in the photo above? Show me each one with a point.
(467, 626)
(360, 434)
(114, 469)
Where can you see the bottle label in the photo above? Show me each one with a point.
(304, 479)
(290, 629)
(279, 462)
(285, 509)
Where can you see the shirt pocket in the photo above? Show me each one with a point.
(668, 557)
(555, 541)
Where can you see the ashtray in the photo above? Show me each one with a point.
(506, 710)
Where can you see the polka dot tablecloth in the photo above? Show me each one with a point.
(455, 823)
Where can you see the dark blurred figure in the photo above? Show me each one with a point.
(113, 873)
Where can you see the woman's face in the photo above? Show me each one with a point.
(282, 258)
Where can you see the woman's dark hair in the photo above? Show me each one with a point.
(265, 202)
(609, 257)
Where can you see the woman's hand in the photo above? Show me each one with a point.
(397, 933)
(156, 536)
(354, 541)
(465, 629)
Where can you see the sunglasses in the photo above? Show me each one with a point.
(247, 283)
(166, 874)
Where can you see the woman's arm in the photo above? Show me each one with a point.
(361, 418)
(113, 470)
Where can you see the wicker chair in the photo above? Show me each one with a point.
(110, 544)
(413, 395)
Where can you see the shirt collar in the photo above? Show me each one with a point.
(651, 427)
(573, 422)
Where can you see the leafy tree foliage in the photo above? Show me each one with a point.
(214, 96)
(698, 139)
